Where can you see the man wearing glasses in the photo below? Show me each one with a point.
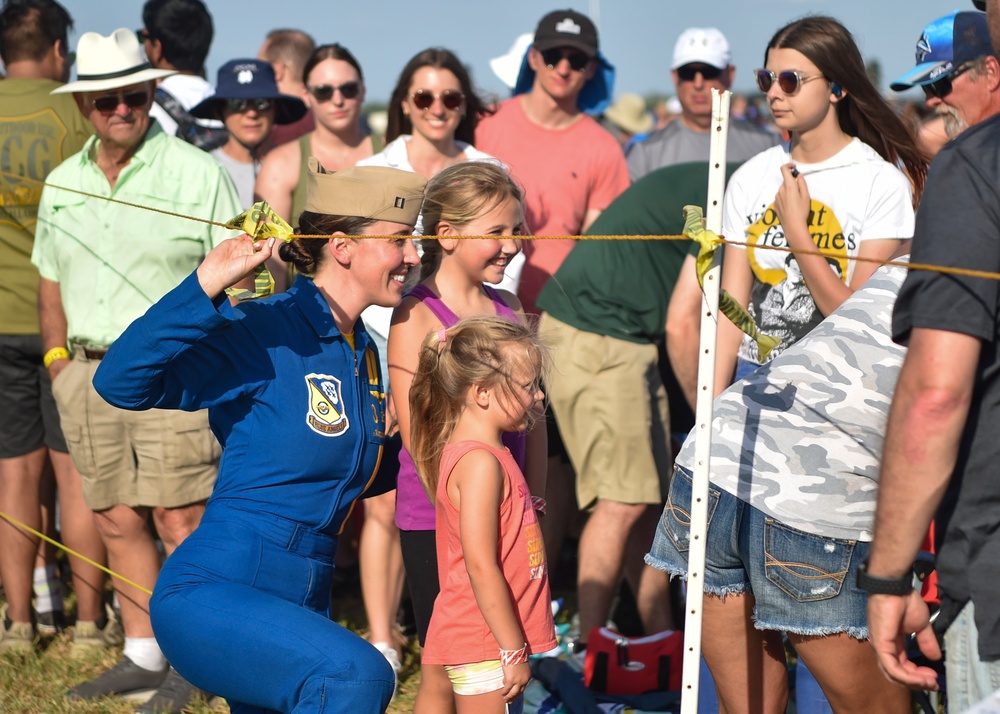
(702, 62)
(570, 167)
(102, 265)
(177, 35)
(957, 68)
(941, 450)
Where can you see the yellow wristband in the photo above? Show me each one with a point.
(54, 354)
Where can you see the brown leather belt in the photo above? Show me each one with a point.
(94, 354)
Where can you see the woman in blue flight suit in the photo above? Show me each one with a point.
(292, 385)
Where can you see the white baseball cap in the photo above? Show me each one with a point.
(705, 45)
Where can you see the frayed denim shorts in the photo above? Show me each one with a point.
(801, 583)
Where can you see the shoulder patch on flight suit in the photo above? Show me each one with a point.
(326, 415)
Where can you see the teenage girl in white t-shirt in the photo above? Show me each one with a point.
(837, 186)
(846, 183)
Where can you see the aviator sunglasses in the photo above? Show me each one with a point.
(109, 103)
(239, 106)
(324, 92)
(788, 81)
(450, 99)
(687, 73)
(942, 88)
(553, 56)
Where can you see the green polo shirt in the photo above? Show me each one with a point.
(113, 262)
(38, 131)
(620, 288)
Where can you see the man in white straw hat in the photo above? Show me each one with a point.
(102, 265)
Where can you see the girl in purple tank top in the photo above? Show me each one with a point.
(469, 199)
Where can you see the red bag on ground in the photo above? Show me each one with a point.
(616, 664)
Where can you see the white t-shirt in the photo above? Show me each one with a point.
(188, 89)
(856, 196)
(394, 154)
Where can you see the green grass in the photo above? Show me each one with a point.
(36, 683)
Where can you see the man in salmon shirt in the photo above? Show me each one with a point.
(570, 167)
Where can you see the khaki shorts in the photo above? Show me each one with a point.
(611, 409)
(157, 457)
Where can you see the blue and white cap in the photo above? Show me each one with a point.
(945, 45)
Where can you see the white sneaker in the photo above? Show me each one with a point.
(392, 657)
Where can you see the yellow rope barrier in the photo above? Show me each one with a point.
(28, 529)
(968, 272)
(910, 266)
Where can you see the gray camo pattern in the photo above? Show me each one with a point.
(802, 437)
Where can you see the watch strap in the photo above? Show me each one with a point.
(875, 585)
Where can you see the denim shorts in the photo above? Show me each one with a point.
(801, 583)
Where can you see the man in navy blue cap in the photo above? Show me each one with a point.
(957, 68)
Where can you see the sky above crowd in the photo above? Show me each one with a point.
(637, 36)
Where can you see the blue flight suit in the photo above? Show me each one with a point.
(241, 608)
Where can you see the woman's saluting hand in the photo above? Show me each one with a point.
(231, 261)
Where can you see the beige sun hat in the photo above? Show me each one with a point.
(110, 62)
(629, 112)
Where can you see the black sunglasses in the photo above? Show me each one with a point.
(238, 106)
(324, 92)
(687, 73)
(577, 60)
(143, 36)
(109, 103)
(942, 88)
(788, 81)
(450, 99)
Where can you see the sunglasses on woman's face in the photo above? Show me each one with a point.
(450, 99)
(577, 60)
(788, 81)
(687, 73)
(942, 88)
(324, 92)
(238, 106)
(109, 103)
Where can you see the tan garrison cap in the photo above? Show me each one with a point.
(365, 191)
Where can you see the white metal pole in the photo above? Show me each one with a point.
(703, 414)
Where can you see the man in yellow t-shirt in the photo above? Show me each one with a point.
(37, 132)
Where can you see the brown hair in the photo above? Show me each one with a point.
(438, 58)
(290, 47)
(29, 28)
(476, 351)
(307, 254)
(460, 194)
(862, 112)
(336, 51)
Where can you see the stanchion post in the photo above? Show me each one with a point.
(703, 415)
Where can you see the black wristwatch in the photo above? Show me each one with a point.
(903, 585)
